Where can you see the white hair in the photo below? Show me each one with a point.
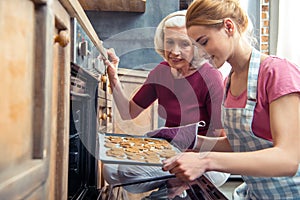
(175, 19)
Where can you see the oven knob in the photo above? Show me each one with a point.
(62, 38)
(103, 78)
(103, 116)
(109, 115)
(109, 89)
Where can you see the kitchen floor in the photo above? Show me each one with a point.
(228, 188)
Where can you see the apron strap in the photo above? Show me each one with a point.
(253, 75)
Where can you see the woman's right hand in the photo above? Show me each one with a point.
(112, 63)
(186, 166)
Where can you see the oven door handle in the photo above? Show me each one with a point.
(80, 95)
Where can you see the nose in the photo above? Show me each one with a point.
(176, 50)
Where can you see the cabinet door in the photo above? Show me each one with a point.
(25, 130)
(34, 100)
(60, 91)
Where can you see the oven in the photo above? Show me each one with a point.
(88, 115)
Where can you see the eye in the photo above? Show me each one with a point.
(203, 41)
(169, 42)
(186, 44)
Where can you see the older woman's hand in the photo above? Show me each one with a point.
(186, 166)
(111, 67)
(112, 63)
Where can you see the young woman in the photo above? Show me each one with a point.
(260, 110)
(188, 90)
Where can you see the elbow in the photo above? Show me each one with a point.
(292, 169)
(292, 164)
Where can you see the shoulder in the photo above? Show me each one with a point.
(279, 77)
(208, 79)
(160, 71)
(208, 69)
(211, 74)
(272, 66)
(162, 67)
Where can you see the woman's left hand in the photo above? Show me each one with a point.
(186, 166)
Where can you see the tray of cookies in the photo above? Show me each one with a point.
(131, 149)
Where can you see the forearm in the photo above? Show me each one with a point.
(280, 160)
(271, 162)
(120, 99)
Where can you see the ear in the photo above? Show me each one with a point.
(229, 26)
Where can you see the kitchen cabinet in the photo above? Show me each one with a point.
(34, 102)
(60, 101)
(114, 5)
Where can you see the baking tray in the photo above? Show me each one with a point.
(134, 150)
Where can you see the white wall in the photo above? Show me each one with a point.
(288, 44)
(225, 69)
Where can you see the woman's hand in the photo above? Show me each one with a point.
(112, 63)
(186, 166)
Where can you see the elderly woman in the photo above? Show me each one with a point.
(188, 90)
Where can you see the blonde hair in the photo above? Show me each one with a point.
(212, 12)
(175, 19)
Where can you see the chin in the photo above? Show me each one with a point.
(217, 64)
(177, 66)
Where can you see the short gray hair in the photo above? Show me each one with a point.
(175, 19)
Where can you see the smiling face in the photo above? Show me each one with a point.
(215, 41)
(178, 48)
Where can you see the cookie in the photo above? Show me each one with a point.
(167, 153)
(109, 145)
(132, 150)
(152, 159)
(115, 153)
(136, 158)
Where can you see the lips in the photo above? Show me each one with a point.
(175, 60)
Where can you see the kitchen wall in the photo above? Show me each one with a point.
(253, 7)
(131, 34)
(265, 27)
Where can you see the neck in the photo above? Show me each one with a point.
(183, 72)
(240, 60)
